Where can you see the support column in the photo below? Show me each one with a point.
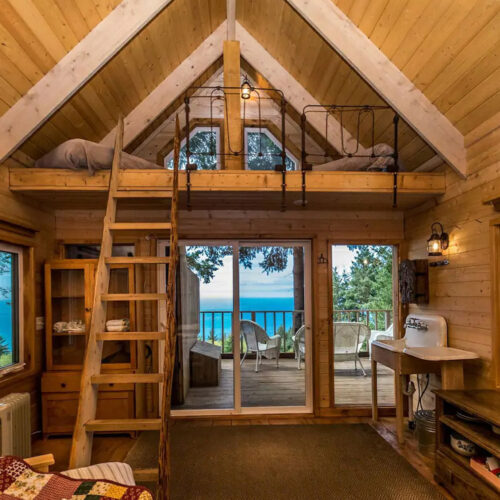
(232, 119)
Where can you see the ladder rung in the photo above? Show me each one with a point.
(124, 424)
(131, 336)
(143, 194)
(137, 260)
(146, 475)
(127, 378)
(140, 226)
(117, 297)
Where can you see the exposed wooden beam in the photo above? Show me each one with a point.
(172, 87)
(385, 78)
(430, 164)
(232, 117)
(294, 92)
(231, 19)
(74, 70)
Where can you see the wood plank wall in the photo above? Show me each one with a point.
(317, 226)
(461, 291)
(16, 214)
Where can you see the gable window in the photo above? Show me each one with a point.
(204, 146)
(11, 306)
(264, 151)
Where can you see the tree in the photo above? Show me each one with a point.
(264, 153)
(204, 142)
(5, 268)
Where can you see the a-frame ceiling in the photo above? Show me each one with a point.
(449, 49)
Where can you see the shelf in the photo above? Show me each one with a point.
(68, 296)
(68, 334)
(480, 434)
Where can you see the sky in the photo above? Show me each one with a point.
(255, 283)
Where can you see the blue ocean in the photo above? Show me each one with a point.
(269, 312)
(6, 323)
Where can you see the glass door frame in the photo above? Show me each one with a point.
(238, 409)
(397, 313)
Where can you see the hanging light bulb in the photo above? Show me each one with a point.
(246, 89)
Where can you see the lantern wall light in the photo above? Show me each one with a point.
(438, 241)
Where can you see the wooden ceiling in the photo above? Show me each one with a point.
(449, 49)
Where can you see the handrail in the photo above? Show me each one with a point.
(373, 318)
(274, 322)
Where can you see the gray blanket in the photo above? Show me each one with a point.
(77, 154)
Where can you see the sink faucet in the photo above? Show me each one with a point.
(417, 324)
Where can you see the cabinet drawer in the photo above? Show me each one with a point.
(70, 382)
(462, 483)
(59, 409)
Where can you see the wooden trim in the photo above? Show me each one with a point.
(385, 78)
(495, 301)
(75, 69)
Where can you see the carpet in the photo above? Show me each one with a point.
(344, 461)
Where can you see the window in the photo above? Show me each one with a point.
(264, 151)
(11, 305)
(204, 144)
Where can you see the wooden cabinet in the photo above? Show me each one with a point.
(452, 470)
(60, 392)
(69, 288)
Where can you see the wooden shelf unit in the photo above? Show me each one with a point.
(69, 288)
(452, 470)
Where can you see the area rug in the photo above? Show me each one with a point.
(345, 461)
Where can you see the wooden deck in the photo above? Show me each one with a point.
(286, 386)
(242, 189)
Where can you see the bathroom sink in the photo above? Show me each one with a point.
(439, 353)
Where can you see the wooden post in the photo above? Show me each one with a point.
(232, 119)
(165, 467)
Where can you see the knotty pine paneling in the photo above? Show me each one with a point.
(461, 291)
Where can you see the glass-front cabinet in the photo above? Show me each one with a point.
(69, 287)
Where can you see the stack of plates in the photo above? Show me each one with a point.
(467, 417)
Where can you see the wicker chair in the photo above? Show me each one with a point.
(257, 341)
(349, 337)
(299, 345)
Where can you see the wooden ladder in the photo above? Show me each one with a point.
(86, 422)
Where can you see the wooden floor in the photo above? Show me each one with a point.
(285, 386)
(115, 448)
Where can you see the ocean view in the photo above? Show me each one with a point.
(264, 308)
(6, 323)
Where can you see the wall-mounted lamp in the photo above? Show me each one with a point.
(322, 259)
(246, 89)
(438, 241)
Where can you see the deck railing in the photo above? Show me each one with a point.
(375, 319)
(216, 326)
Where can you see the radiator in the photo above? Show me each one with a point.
(15, 425)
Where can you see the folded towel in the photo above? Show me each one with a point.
(118, 322)
(117, 328)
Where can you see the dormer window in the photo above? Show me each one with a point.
(204, 146)
(264, 150)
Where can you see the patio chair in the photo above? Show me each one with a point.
(349, 337)
(299, 345)
(257, 341)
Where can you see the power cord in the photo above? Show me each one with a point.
(420, 392)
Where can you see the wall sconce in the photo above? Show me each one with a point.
(322, 259)
(438, 241)
(246, 89)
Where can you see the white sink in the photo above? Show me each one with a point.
(439, 353)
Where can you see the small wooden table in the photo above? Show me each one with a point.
(448, 362)
(205, 364)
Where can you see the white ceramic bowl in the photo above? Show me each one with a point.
(462, 446)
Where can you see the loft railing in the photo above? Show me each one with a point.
(216, 326)
(375, 319)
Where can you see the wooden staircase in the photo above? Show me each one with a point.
(86, 422)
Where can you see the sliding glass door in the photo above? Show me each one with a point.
(244, 336)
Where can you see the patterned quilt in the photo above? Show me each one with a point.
(19, 481)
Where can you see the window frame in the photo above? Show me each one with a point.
(19, 307)
(194, 131)
(265, 130)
